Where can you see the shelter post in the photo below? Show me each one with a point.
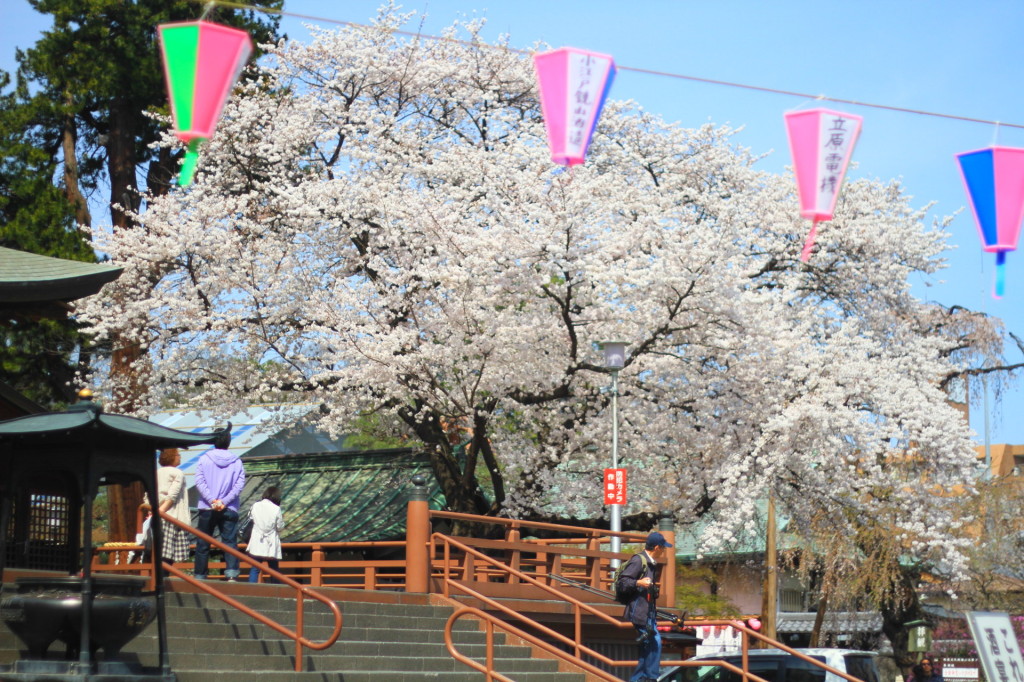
(417, 537)
(668, 574)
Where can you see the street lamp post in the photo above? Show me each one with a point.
(614, 360)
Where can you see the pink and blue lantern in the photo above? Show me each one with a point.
(573, 87)
(821, 142)
(994, 179)
(202, 61)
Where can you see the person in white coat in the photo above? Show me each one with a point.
(267, 524)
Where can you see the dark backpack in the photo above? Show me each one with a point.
(624, 594)
(245, 529)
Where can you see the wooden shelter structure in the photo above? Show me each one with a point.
(51, 468)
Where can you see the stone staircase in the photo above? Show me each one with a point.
(398, 641)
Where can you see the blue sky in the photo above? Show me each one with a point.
(945, 56)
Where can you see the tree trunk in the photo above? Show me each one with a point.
(125, 500)
(121, 167)
(819, 617)
(72, 187)
(904, 607)
(460, 487)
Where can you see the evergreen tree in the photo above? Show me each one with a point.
(77, 119)
(37, 356)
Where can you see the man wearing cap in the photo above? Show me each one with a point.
(640, 577)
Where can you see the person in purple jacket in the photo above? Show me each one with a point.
(219, 480)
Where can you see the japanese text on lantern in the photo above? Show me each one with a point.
(997, 646)
(581, 100)
(835, 141)
(615, 486)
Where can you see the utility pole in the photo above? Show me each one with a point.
(770, 592)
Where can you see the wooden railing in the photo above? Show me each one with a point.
(301, 591)
(316, 571)
(580, 554)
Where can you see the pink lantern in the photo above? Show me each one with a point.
(573, 87)
(202, 61)
(821, 142)
(994, 179)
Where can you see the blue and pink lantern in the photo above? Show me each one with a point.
(994, 179)
(202, 62)
(821, 141)
(573, 87)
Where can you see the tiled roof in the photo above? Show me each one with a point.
(31, 278)
(340, 496)
(330, 492)
(843, 621)
(250, 429)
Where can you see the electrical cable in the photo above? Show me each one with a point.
(651, 72)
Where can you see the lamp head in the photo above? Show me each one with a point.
(614, 354)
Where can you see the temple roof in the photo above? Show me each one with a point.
(341, 496)
(33, 283)
(85, 421)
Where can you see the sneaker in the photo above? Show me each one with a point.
(232, 580)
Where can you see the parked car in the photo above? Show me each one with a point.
(778, 666)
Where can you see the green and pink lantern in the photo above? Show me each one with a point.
(821, 141)
(994, 179)
(202, 62)
(573, 87)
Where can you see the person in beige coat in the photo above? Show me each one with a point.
(172, 493)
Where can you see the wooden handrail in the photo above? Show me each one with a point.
(301, 590)
(587, 533)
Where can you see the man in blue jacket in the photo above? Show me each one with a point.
(639, 577)
(219, 480)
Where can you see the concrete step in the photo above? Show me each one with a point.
(380, 642)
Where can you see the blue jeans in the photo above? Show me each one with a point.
(254, 572)
(226, 523)
(649, 656)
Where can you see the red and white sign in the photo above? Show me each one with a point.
(615, 486)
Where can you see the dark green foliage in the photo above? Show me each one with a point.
(74, 122)
(38, 357)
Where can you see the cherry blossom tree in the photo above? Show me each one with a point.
(377, 228)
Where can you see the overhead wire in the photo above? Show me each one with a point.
(651, 72)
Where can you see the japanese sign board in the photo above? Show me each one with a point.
(615, 487)
(997, 646)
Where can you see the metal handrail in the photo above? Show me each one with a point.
(578, 607)
(491, 621)
(578, 647)
(301, 590)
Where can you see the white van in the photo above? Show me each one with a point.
(774, 665)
